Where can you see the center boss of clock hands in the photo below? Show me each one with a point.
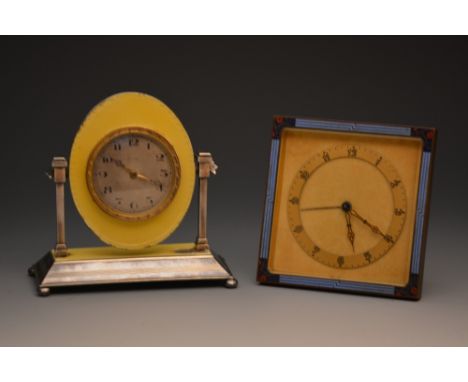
(350, 211)
(135, 174)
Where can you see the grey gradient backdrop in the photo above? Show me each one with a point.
(225, 90)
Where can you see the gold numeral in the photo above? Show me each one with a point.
(398, 211)
(368, 257)
(352, 152)
(340, 261)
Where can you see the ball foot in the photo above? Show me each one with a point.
(231, 283)
(44, 292)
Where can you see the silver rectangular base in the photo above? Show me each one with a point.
(107, 268)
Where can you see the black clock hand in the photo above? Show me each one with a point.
(320, 208)
(157, 183)
(350, 229)
(373, 227)
(135, 174)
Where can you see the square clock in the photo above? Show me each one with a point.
(347, 207)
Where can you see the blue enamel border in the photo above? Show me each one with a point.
(270, 198)
(269, 205)
(350, 126)
(337, 284)
(419, 224)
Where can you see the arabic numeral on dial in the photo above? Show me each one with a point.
(352, 152)
(117, 146)
(107, 190)
(368, 257)
(105, 159)
(164, 172)
(340, 261)
(133, 141)
(160, 157)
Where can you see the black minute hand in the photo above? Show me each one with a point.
(135, 174)
(320, 208)
(373, 227)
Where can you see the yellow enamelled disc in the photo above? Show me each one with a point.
(148, 118)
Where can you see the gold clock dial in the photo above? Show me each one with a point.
(133, 173)
(347, 206)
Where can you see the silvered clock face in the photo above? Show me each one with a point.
(133, 174)
(346, 206)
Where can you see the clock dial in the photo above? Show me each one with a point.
(133, 174)
(346, 206)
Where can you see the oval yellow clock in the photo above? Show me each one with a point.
(132, 170)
